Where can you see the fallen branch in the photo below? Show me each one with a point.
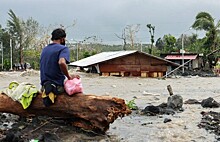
(89, 112)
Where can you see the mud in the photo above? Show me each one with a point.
(182, 126)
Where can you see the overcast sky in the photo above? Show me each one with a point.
(104, 18)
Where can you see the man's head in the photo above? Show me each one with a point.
(59, 34)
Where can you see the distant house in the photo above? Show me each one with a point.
(192, 60)
(126, 63)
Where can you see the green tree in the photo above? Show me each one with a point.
(160, 44)
(15, 30)
(169, 41)
(5, 39)
(23, 33)
(204, 21)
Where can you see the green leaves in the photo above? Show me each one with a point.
(204, 21)
(132, 105)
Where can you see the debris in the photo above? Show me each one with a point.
(211, 122)
(151, 110)
(175, 102)
(114, 86)
(210, 103)
(156, 110)
(192, 101)
(89, 112)
(145, 93)
(169, 88)
(166, 120)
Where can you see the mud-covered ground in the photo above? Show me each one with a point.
(183, 126)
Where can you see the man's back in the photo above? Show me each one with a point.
(49, 67)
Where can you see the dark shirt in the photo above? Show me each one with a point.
(49, 66)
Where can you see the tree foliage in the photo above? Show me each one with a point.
(204, 21)
(23, 35)
(28, 39)
(169, 43)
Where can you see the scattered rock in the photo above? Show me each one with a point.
(114, 127)
(166, 120)
(163, 105)
(211, 122)
(168, 111)
(144, 124)
(210, 103)
(175, 102)
(151, 110)
(192, 101)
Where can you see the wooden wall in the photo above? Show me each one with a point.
(134, 65)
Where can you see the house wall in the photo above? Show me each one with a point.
(134, 65)
(195, 64)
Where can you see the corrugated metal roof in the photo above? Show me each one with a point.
(180, 57)
(105, 56)
(101, 57)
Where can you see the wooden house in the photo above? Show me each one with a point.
(126, 63)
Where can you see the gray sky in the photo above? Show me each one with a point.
(104, 18)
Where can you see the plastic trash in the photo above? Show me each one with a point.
(73, 86)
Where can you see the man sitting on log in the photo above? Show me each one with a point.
(53, 67)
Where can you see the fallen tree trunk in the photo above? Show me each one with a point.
(89, 112)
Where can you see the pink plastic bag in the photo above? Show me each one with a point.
(73, 86)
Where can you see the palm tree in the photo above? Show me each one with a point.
(15, 30)
(204, 21)
(23, 32)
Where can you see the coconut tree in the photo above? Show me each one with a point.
(204, 21)
(23, 33)
(15, 30)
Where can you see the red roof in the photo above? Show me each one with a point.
(179, 57)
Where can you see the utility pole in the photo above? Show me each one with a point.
(11, 52)
(141, 46)
(77, 51)
(182, 53)
(2, 56)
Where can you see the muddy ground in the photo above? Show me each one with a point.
(183, 126)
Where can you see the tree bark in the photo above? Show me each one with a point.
(89, 112)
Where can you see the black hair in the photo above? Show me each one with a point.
(58, 34)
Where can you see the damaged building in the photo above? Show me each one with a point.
(192, 61)
(126, 63)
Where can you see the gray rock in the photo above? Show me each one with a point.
(210, 102)
(175, 102)
(166, 120)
